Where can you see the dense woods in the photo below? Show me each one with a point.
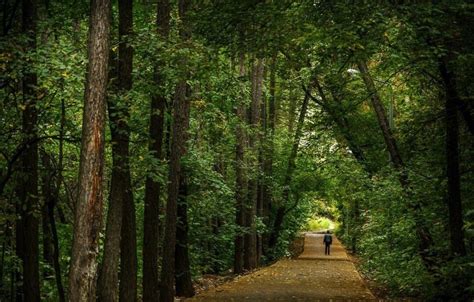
(146, 144)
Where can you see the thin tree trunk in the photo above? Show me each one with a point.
(240, 178)
(51, 195)
(382, 119)
(250, 238)
(184, 285)
(423, 233)
(108, 279)
(45, 226)
(57, 266)
(178, 140)
(282, 210)
(27, 225)
(151, 222)
(268, 151)
(341, 121)
(88, 208)
(452, 161)
(181, 107)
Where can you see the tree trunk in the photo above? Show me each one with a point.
(51, 196)
(240, 180)
(452, 161)
(268, 155)
(178, 141)
(151, 222)
(88, 208)
(27, 225)
(121, 214)
(184, 285)
(128, 241)
(282, 210)
(250, 210)
(181, 106)
(382, 119)
(423, 233)
(108, 279)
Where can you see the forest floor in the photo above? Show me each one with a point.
(312, 276)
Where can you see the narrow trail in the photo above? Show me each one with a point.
(311, 277)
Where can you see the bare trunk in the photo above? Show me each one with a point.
(128, 241)
(184, 285)
(179, 138)
(250, 210)
(151, 223)
(27, 225)
(88, 209)
(452, 162)
(240, 178)
(268, 155)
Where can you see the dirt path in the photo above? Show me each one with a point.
(311, 277)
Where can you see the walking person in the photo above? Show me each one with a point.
(327, 240)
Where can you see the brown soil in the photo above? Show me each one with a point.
(310, 277)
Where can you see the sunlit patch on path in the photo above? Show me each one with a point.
(311, 277)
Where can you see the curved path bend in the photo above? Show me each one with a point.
(310, 277)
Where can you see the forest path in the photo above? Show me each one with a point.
(310, 277)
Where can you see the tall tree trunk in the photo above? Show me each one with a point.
(27, 225)
(268, 154)
(282, 210)
(128, 241)
(178, 141)
(250, 238)
(120, 237)
(181, 107)
(88, 208)
(452, 161)
(151, 222)
(108, 279)
(184, 285)
(423, 233)
(240, 181)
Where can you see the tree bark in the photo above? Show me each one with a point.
(240, 181)
(184, 285)
(151, 223)
(181, 107)
(120, 237)
(27, 236)
(178, 140)
(128, 241)
(250, 210)
(268, 155)
(88, 208)
(452, 161)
